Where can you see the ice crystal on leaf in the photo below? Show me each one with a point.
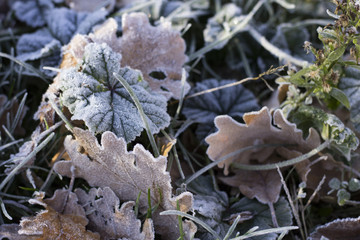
(95, 96)
(128, 174)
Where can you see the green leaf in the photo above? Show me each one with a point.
(331, 127)
(340, 96)
(350, 85)
(335, 55)
(299, 79)
(95, 96)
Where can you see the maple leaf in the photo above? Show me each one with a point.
(108, 220)
(127, 174)
(339, 229)
(232, 136)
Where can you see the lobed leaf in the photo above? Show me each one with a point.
(96, 97)
(127, 174)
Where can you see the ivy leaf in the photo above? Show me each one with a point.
(233, 101)
(350, 84)
(32, 12)
(330, 126)
(96, 97)
(262, 216)
(109, 164)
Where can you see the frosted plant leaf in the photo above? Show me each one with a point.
(109, 164)
(63, 218)
(158, 52)
(32, 12)
(258, 129)
(222, 24)
(108, 219)
(233, 101)
(339, 229)
(261, 216)
(37, 45)
(90, 5)
(351, 87)
(95, 96)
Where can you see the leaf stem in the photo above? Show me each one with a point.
(141, 112)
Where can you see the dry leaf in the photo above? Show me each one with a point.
(258, 129)
(108, 220)
(63, 218)
(127, 174)
(154, 49)
(340, 229)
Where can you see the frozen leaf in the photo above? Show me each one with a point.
(158, 52)
(36, 45)
(90, 5)
(220, 25)
(109, 164)
(95, 96)
(10, 231)
(32, 12)
(233, 101)
(209, 206)
(331, 127)
(258, 129)
(261, 216)
(107, 219)
(350, 84)
(339, 229)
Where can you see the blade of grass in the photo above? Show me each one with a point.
(141, 112)
(266, 231)
(194, 219)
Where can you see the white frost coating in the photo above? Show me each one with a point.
(96, 97)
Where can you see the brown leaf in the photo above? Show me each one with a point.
(258, 129)
(339, 229)
(127, 174)
(153, 49)
(108, 220)
(49, 224)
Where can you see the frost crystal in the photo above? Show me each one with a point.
(95, 96)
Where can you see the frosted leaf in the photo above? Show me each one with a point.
(339, 229)
(108, 219)
(222, 24)
(351, 87)
(258, 129)
(154, 50)
(90, 5)
(233, 101)
(32, 12)
(95, 96)
(37, 45)
(109, 164)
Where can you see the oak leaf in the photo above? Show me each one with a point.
(127, 174)
(108, 220)
(258, 129)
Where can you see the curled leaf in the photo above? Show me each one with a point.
(258, 129)
(127, 174)
(95, 96)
